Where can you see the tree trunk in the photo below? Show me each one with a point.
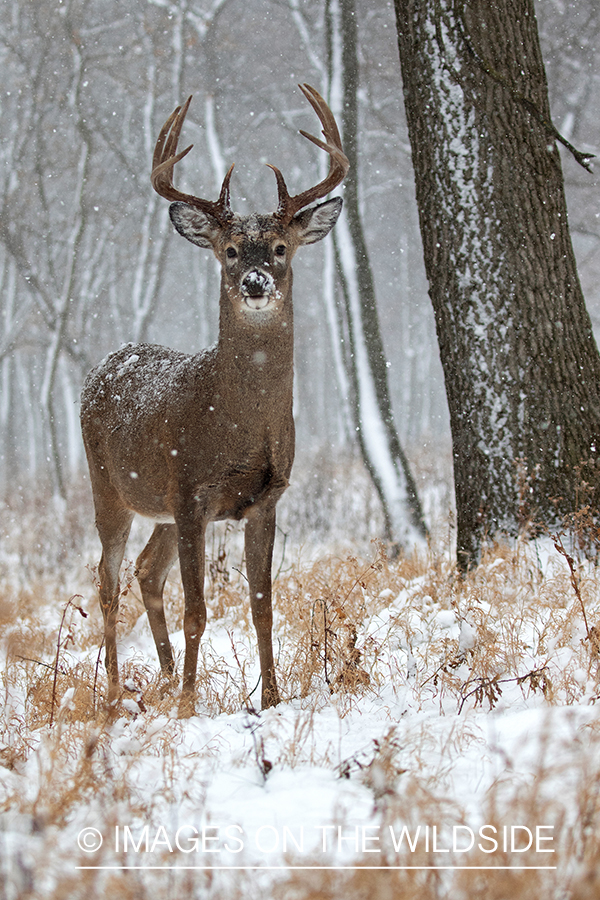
(520, 362)
(378, 439)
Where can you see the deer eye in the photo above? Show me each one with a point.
(231, 252)
(280, 250)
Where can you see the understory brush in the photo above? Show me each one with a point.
(412, 697)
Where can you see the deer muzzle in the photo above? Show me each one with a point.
(257, 287)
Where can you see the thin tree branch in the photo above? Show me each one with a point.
(579, 156)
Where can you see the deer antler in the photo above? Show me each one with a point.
(338, 165)
(163, 162)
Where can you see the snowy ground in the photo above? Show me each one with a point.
(437, 738)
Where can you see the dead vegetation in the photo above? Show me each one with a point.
(407, 636)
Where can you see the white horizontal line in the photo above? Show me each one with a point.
(330, 868)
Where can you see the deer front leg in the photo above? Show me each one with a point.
(190, 540)
(259, 540)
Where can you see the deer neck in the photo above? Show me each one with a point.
(257, 350)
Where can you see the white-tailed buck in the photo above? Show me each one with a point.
(185, 440)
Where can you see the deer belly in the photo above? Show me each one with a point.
(240, 492)
(159, 518)
(232, 495)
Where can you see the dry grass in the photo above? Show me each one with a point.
(512, 630)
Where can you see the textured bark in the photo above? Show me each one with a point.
(521, 365)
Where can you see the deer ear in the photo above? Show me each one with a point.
(314, 224)
(198, 227)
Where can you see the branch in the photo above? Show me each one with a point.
(490, 686)
(482, 62)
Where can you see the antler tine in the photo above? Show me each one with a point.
(164, 159)
(325, 115)
(338, 163)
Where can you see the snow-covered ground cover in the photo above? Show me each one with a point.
(438, 737)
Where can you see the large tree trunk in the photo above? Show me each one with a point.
(374, 422)
(521, 366)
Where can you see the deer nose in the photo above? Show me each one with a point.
(257, 283)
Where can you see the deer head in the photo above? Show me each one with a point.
(255, 251)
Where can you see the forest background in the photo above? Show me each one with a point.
(87, 255)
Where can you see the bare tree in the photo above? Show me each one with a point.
(373, 417)
(361, 371)
(521, 366)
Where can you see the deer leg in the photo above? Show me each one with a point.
(190, 537)
(152, 567)
(113, 538)
(259, 540)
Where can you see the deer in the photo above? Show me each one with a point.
(183, 439)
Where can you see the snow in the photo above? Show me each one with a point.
(415, 768)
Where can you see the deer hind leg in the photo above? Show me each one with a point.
(259, 540)
(113, 529)
(152, 567)
(191, 532)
